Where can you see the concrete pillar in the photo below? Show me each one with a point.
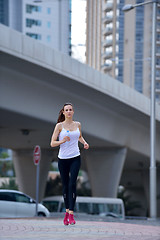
(104, 168)
(26, 170)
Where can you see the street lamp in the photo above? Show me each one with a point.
(153, 181)
(129, 7)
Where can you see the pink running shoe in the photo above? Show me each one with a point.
(71, 219)
(66, 219)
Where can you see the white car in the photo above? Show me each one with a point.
(17, 204)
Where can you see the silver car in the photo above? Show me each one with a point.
(17, 204)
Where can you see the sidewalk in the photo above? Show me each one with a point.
(51, 228)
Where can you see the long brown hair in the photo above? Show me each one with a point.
(61, 116)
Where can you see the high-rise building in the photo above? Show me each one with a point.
(46, 21)
(119, 44)
(11, 13)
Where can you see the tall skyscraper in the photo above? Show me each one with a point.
(46, 21)
(119, 44)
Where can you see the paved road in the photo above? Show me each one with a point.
(51, 228)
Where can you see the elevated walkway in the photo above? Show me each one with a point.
(35, 82)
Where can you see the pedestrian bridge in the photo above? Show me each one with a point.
(35, 82)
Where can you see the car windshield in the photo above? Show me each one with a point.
(22, 198)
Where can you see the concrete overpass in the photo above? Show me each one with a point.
(35, 81)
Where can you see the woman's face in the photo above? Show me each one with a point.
(68, 111)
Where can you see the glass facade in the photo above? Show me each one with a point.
(139, 41)
(1, 11)
(4, 12)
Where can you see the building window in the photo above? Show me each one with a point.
(34, 35)
(49, 10)
(49, 24)
(32, 8)
(32, 22)
(48, 38)
(39, 9)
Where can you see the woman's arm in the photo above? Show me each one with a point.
(54, 142)
(81, 139)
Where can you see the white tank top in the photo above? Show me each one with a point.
(69, 149)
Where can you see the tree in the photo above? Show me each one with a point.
(53, 187)
(129, 204)
(9, 185)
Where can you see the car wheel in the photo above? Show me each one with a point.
(40, 214)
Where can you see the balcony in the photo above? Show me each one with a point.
(107, 55)
(107, 43)
(107, 20)
(107, 31)
(158, 43)
(158, 30)
(157, 67)
(158, 18)
(106, 67)
(158, 55)
(157, 90)
(108, 7)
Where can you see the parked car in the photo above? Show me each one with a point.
(17, 204)
(109, 207)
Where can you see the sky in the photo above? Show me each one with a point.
(78, 29)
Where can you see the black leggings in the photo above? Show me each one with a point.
(69, 169)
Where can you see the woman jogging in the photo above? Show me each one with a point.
(69, 133)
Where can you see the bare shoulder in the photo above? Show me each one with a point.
(78, 123)
(58, 126)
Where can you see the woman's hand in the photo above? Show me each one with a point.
(86, 145)
(66, 139)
